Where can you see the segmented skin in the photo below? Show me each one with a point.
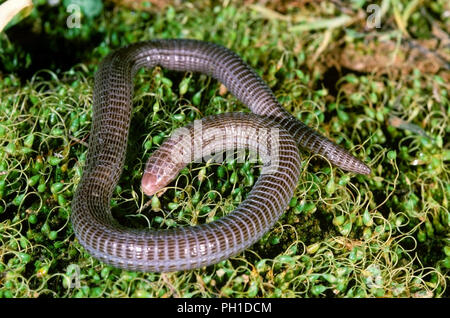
(186, 248)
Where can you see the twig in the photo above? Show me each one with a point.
(333, 23)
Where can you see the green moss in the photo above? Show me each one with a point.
(385, 235)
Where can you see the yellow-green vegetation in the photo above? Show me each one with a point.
(384, 235)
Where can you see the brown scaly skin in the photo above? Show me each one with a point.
(189, 247)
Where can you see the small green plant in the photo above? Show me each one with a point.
(385, 235)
